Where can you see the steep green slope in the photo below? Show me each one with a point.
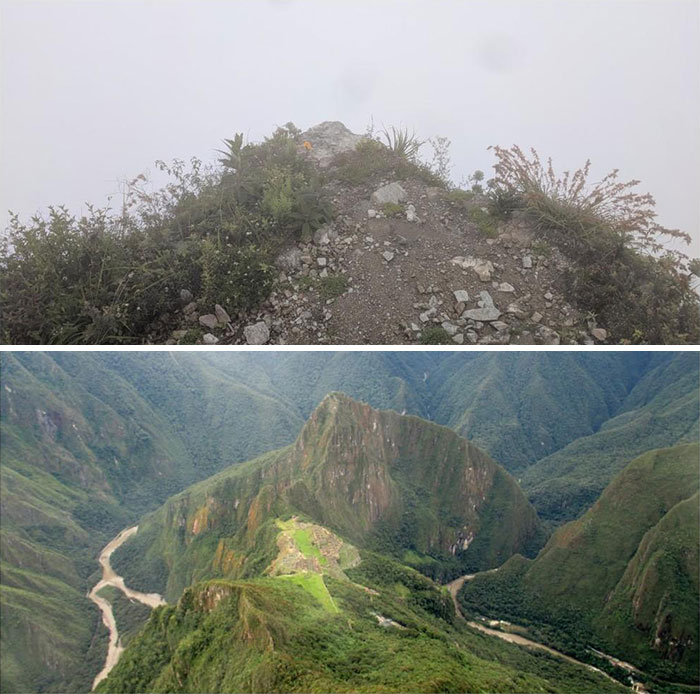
(661, 410)
(76, 467)
(390, 630)
(522, 406)
(385, 481)
(623, 577)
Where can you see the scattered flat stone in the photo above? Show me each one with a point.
(411, 215)
(190, 308)
(499, 325)
(391, 193)
(388, 256)
(371, 213)
(185, 296)
(600, 334)
(427, 315)
(549, 296)
(322, 262)
(257, 334)
(458, 339)
(461, 296)
(485, 300)
(222, 315)
(483, 268)
(486, 314)
(505, 288)
(536, 317)
(209, 339)
(209, 320)
(527, 262)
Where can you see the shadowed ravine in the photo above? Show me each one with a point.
(110, 578)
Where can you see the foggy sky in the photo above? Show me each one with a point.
(95, 91)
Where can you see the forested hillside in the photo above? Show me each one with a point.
(92, 441)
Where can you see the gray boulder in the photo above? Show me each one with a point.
(392, 193)
(209, 320)
(329, 139)
(257, 334)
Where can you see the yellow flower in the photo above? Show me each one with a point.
(307, 144)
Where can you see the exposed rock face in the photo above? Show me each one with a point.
(358, 472)
(329, 139)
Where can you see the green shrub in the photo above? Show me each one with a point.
(435, 335)
(110, 277)
(238, 278)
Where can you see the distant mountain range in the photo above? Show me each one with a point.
(92, 441)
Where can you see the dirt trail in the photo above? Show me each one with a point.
(454, 588)
(110, 578)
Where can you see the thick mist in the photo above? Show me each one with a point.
(96, 91)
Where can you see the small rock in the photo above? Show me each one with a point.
(209, 320)
(461, 295)
(185, 296)
(427, 315)
(458, 338)
(190, 308)
(324, 235)
(548, 336)
(486, 314)
(388, 256)
(505, 288)
(222, 315)
(371, 213)
(527, 262)
(536, 317)
(392, 193)
(486, 300)
(209, 339)
(499, 325)
(449, 328)
(600, 334)
(549, 296)
(257, 334)
(322, 262)
(290, 260)
(411, 215)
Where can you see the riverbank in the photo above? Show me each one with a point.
(111, 578)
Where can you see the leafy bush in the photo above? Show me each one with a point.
(622, 271)
(115, 277)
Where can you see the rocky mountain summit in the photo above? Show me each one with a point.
(404, 262)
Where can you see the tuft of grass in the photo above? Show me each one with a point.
(392, 209)
(622, 271)
(332, 286)
(484, 222)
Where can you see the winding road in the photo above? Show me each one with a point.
(454, 588)
(110, 578)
